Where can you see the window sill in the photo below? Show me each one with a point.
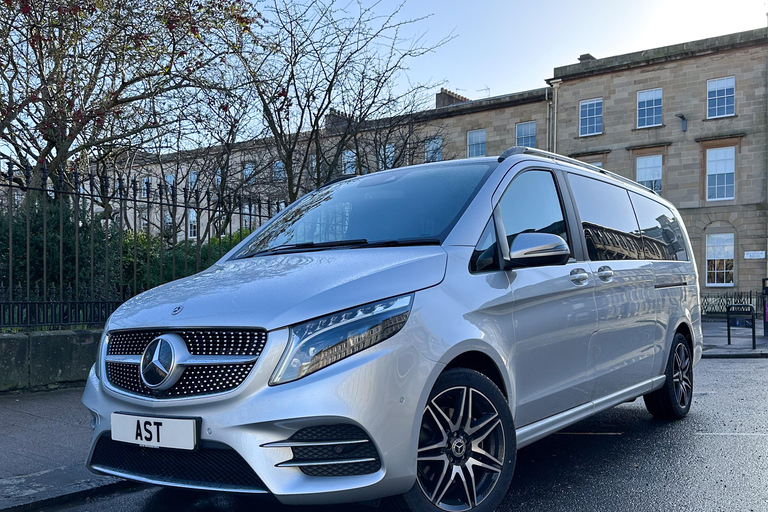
(719, 118)
(589, 135)
(717, 285)
(656, 126)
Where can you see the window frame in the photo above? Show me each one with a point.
(432, 151)
(726, 96)
(348, 160)
(279, 174)
(146, 191)
(732, 284)
(707, 173)
(484, 143)
(525, 124)
(192, 223)
(646, 108)
(661, 168)
(602, 112)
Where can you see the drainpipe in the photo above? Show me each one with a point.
(549, 109)
(555, 89)
(766, 148)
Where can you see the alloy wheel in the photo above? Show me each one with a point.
(682, 375)
(461, 449)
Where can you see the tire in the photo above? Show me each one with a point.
(460, 464)
(673, 401)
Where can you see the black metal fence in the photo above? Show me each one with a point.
(716, 304)
(74, 247)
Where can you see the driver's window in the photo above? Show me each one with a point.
(531, 204)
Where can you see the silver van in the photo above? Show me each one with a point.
(401, 335)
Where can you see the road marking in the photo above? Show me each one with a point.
(745, 434)
(589, 433)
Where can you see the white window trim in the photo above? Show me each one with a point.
(601, 117)
(661, 169)
(707, 175)
(637, 108)
(517, 132)
(706, 261)
(706, 97)
(485, 143)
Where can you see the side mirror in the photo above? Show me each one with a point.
(538, 250)
(529, 249)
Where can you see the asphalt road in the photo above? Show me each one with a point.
(716, 459)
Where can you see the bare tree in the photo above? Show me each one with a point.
(319, 57)
(81, 74)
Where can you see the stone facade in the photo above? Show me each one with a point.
(498, 116)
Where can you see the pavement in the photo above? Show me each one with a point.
(45, 435)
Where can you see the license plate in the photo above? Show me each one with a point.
(155, 432)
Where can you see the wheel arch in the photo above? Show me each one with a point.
(481, 363)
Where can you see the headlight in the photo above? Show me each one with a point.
(323, 341)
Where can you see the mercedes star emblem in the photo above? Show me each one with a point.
(157, 363)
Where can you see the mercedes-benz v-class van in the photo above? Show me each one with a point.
(402, 334)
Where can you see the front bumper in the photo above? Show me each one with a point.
(377, 390)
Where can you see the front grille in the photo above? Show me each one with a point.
(307, 457)
(196, 380)
(212, 465)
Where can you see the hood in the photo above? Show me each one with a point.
(280, 290)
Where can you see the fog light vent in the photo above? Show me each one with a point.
(331, 450)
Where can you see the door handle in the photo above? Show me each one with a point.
(579, 276)
(605, 274)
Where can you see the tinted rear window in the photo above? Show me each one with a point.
(663, 237)
(608, 220)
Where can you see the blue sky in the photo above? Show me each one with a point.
(510, 46)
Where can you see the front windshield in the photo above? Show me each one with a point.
(413, 205)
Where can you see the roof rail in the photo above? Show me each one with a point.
(519, 150)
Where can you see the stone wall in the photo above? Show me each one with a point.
(39, 359)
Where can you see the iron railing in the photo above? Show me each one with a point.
(73, 248)
(716, 304)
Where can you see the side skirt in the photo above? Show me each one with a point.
(542, 428)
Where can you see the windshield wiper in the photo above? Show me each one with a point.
(307, 245)
(401, 242)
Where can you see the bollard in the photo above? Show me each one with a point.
(741, 309)
(765, 307)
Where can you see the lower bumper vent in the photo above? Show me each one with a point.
(332, 450)
(211, 466)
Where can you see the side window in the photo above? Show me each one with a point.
(531, 204)
(608, 220)
(662, 235)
